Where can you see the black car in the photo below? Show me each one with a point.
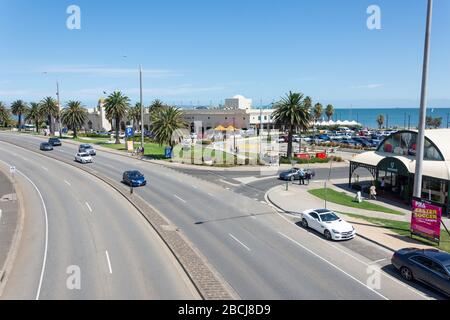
(429, 266)
(134, 179)
(55, 142)
(45, 146)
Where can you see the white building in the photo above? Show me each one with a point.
(238, 102)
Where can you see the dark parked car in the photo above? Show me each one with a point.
(429, 266)
(134, 178)
(363, 141)
(87, 148)
(45, 146)
(294, 174)
(55, 142)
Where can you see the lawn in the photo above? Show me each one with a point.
(403, 228)
(342, 198)
(152, 149)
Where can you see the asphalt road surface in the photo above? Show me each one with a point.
(259, 252)
(91, 230)
(254, 184)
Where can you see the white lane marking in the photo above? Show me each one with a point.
(44, 260)
(253, 217)
(60, 150)
(89, 207)
(194, 187)
(331, 264)
(46, 169)
(379, 260)
(67, 182)
(209, 194)
(109, 262)
(352, 256)
(179, 198)
(238, 241)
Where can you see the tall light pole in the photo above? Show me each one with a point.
(59, 109)
(423, 106)
(142, 109)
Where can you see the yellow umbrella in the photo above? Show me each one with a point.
(230, 128)
(220, 128)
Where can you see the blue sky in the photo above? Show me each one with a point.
(201, 51)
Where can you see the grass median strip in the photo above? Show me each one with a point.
(343, 199)
(402, 228)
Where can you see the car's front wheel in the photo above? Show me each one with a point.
(327, 235)
(406, 273)
(304, 223)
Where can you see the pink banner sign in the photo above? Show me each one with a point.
(426, 220)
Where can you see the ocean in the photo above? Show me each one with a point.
(394, 117)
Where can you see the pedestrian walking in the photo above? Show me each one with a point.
(373, 193)
(302, 175)
(382, 186)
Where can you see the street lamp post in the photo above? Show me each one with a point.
(423, 106)
(59, 109)
(142, 109)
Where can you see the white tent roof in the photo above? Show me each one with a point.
(434, 169)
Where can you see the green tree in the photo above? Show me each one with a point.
(74, 116)
(49, 108)
(165, 123)
(19, 108)
(5, 115)
(156, 106)
(134, 114)
(380, 121)
(116, 107)
(292, 113)
(34, 114)
(317, 111)
(437, 122)
(329, 112)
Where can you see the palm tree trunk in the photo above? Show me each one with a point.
(49, 118)
(20, 121)
(75, 132)
(117, 130)
(289, 150)
(37, 126)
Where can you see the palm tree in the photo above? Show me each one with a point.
(380, 121)
(291, 112)
(5, 116)
(19, 108)
(165, 123)
(156, 106)
(116, 107)
(49, 108)
(329, 111)
(318, 111)
(74, 116)
(134, 114)
(34, 114)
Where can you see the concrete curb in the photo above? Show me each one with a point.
(17, 237)
(209, 284)
(267, 197)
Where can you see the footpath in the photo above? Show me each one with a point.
(297, 199)
(10, 224)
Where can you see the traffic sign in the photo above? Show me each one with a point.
(129, 132)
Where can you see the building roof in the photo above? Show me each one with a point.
(434, 169)
(441, 138)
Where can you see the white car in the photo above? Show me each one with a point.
(83, 157)
(328, 223)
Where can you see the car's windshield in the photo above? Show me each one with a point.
(329, 217)
(135, 175)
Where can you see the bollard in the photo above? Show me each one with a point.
(287, 185)
(131, 189)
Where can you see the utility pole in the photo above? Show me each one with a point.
(448, 114)
(142, 109)
(59, 109)
(423, 106)
(409, 122)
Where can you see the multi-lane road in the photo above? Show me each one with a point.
(257, 251)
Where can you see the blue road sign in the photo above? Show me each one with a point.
(129, 132)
